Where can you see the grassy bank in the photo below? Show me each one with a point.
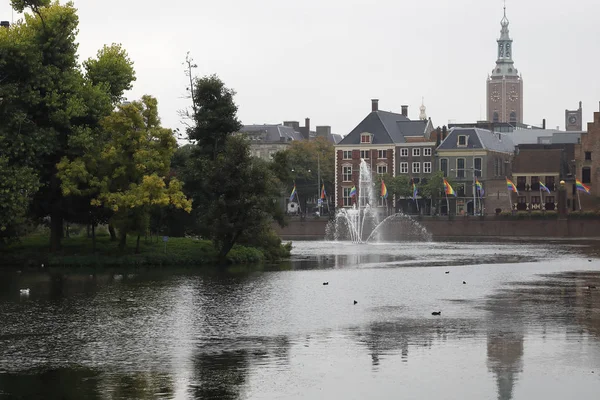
(77, 251)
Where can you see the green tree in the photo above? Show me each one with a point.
(233, 194)
(112, 70)
(127, 172)
(17, 185)
(301, 164)
(49, 109)
(433, 189)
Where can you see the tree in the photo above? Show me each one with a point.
(112, 70)
(49, 109)
(301, 163)
(17, 185)
(433, 189)
(214, 118)
(233, 193)
(128, 171)
(243, 193)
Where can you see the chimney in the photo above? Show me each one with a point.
(544, 123)
(295, 125)
(374, 104)
(4, 24)
(307, 124)
(323, 131)
(405, 111)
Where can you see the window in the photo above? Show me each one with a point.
(588, 156)
(521, 183)
(347, 155)
(586, 175)
(426, 167)
(417, 180)
(381, 201)
(535, 184)
(496, 117)
(444, 166)
(462, 140)
(460, 167)
(403, 152)
(365, 154)
(381, 153)
(416, 152)
(404, 168)
(347, 173)
(521, 203)
(346, 197)
(550, 184)
(513, 116)
(365, 138)
(427, 151)
(381, 169)
(535, 200)
(478, 170)
(416, 168)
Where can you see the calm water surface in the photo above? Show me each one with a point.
(524, 325)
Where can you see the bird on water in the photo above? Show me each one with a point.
(325, 283)
(436, 313)
(355, 302)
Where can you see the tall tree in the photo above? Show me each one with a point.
(50, 110)
(233, 193)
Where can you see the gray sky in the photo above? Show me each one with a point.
(325, 59)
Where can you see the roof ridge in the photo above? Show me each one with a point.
(384, 127)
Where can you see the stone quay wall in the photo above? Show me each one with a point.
(314, 229)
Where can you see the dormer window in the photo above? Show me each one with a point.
(365, 138)
(462, 140)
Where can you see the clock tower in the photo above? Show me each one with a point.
(504, 85)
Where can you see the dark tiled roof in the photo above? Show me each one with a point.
(477, 139)
(538, 161)
(272, 133)
(382, 125)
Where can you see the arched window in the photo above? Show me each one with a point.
(513, 116)
(496, 117)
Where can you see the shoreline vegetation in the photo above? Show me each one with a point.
(33, 251)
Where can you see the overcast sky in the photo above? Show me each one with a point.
(325, 59)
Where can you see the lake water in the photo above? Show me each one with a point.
(524, 325)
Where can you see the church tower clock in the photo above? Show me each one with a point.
(505, 85)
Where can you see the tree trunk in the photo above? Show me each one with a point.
(93, 238)
(113, 234)
(137, 245)
(56, 216)
(122, 240)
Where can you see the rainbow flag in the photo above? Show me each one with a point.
(415, 190)
(448, 189)
(544, 188)
(511, 186)
(479, 187)
(581, 186)
(323, 194)
(353, 191)
(384, 192)
(293, 194)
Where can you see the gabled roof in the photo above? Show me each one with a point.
(477, 139)
(386, 128)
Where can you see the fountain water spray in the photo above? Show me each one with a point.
(361, 223)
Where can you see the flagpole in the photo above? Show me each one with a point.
(509, 195)
(541, 195)
(578, 199)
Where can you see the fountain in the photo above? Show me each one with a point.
(361, 223)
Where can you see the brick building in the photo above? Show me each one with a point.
(390, 143)
(587, 163)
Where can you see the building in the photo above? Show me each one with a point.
(390, 143)
(548, 164)
(268, 139)
(587, 163)
(4, 24)
(307, 134)
(574, 119)
(470, 154)
(505, 85)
